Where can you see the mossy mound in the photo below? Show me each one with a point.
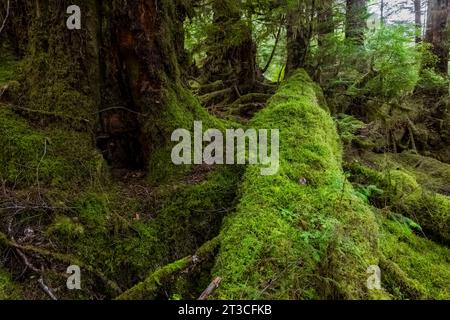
(116, 236)
(409, 183)
(414, 267)
(302, 233)
(54, 157)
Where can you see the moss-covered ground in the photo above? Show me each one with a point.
(308, 232)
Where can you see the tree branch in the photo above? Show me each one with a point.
(7, 16)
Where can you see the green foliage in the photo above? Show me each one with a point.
(347, 127)
(384, 72)
(396, 60)
(432, 83)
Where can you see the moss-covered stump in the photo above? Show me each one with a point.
(302, 233)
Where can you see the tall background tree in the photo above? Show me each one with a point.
(356, 16)
(437, 33)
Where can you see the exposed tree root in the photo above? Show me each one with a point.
(215, 97)
(42, 117)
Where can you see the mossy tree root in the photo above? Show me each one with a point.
(152, 287)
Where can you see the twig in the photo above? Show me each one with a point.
(17, 248)
(38, 166)
(212, 286)
(46, 289)
(6, 18)
(277, 40)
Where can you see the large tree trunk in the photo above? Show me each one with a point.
(112, 72)
(437, 32)
(355, 24)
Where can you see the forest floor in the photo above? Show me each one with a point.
(336, 207)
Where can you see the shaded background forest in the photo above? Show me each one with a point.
(359, 90)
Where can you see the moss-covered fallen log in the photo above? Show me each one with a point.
(302, 233)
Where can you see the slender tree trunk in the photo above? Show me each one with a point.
(325, 30)
(356, 24)
(325, 22)
(231, 56)
(418, 19)
(437, 32)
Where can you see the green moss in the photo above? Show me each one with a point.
(417, 268)
(180, 111)
(430, 173)
(431, 211)
(174, 277)
(54, 156)
(7, 66)
(149, 288)
(8, 290)
(292, 240)
(65, 228)
(404, 194)
(104, 234)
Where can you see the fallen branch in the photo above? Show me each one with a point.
(46, 289)
(212, 286)
(17, 248)
(85, 123)
(215, 97)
